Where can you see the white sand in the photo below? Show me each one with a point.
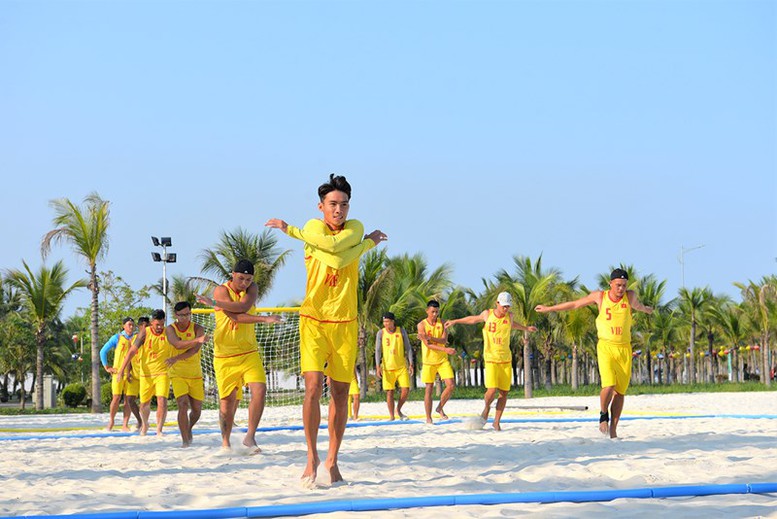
(110, 474)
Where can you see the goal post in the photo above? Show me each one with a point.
(278, 347)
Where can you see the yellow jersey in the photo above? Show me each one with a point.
(433, 357)
(154, 352)
(332, 265)
(122, 347)
(393, 346)
(613, 324)
(496, 338)
(187, 368)
(230, 338)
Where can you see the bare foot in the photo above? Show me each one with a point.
(252, 447)
(309, 476)
(429, 421)
(391, 418)
(497, 427)
(143, 430)
(334, 474)
(604, 423)
(441, 413)
(125, 429)
(402, 416)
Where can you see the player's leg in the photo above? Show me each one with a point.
(255, 411)
(194, 415)
(338, 416)
(446, 374)
(183, 416)
(114, 408)
(501, 403)
(311, 419)
(390, 403)
(404, 389)
(227, 408)
(161, 414)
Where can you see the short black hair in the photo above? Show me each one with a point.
(181, 305)
(433, 304)
(619, 274)
(336, 183)
(244, 266)
(143, 320)
(127, 319)
(389, 315)
(158, 315)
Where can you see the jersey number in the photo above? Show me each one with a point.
(492, 327)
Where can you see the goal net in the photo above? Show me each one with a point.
(279, 348)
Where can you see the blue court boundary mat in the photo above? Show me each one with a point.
(367, 505)
(385, 423)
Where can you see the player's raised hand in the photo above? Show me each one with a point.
(542, 309)
(377, 236)
(277, 223)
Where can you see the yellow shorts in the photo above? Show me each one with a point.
(328, 344)
(354, 389)
(393, 376)
(237, 371)
(499, 375)
(614, 365)
(428, 372)
(194, 387)
(125, 387)
(156, 385)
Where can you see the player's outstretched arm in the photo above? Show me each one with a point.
(591, 299)
(222, 301)
(636, 304)
(470, 319)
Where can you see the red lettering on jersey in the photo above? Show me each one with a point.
(331, 280)
(623, 305)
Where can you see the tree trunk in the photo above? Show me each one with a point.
(713, 363)
(766, 369)
(40, 337)
(362, 366)
(692, 363)
(96, 364)
(574, 366)
(527, 373)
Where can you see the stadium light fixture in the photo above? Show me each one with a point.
(164, 257)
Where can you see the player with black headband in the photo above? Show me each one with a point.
(613, 351)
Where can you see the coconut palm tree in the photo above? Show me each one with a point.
(691, 303)
(760, 302)
(664, 333)
(17, 350)
(85, 229)
(181, 288)
(42, 296)
(374, 278)
(731, 322)
(260, 249)
(650, 292)
(530, 285)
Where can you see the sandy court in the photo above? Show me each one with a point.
(539, 450)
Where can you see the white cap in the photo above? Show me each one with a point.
(504, 299)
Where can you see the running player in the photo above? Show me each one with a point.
(328, 327)
(128, 386)
(154, 349)
(434, 355)
(613, 351)
(236, 358)
(499, 323)
(394, 362)
(184, 368)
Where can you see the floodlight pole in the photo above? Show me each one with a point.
(165, 259)
(683, 250)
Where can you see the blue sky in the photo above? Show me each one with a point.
(592, 133)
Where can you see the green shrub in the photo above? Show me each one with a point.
(73, 394)
(106, 394)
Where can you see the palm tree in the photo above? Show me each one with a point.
(374, 277)
(260, 249)
(664, 331)
(692, 303)
(42, 296)
(85, 228)
(180, 288)
(530, 285)
(760, 299)
(17, 354)
(650, 292)
(731, 322)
